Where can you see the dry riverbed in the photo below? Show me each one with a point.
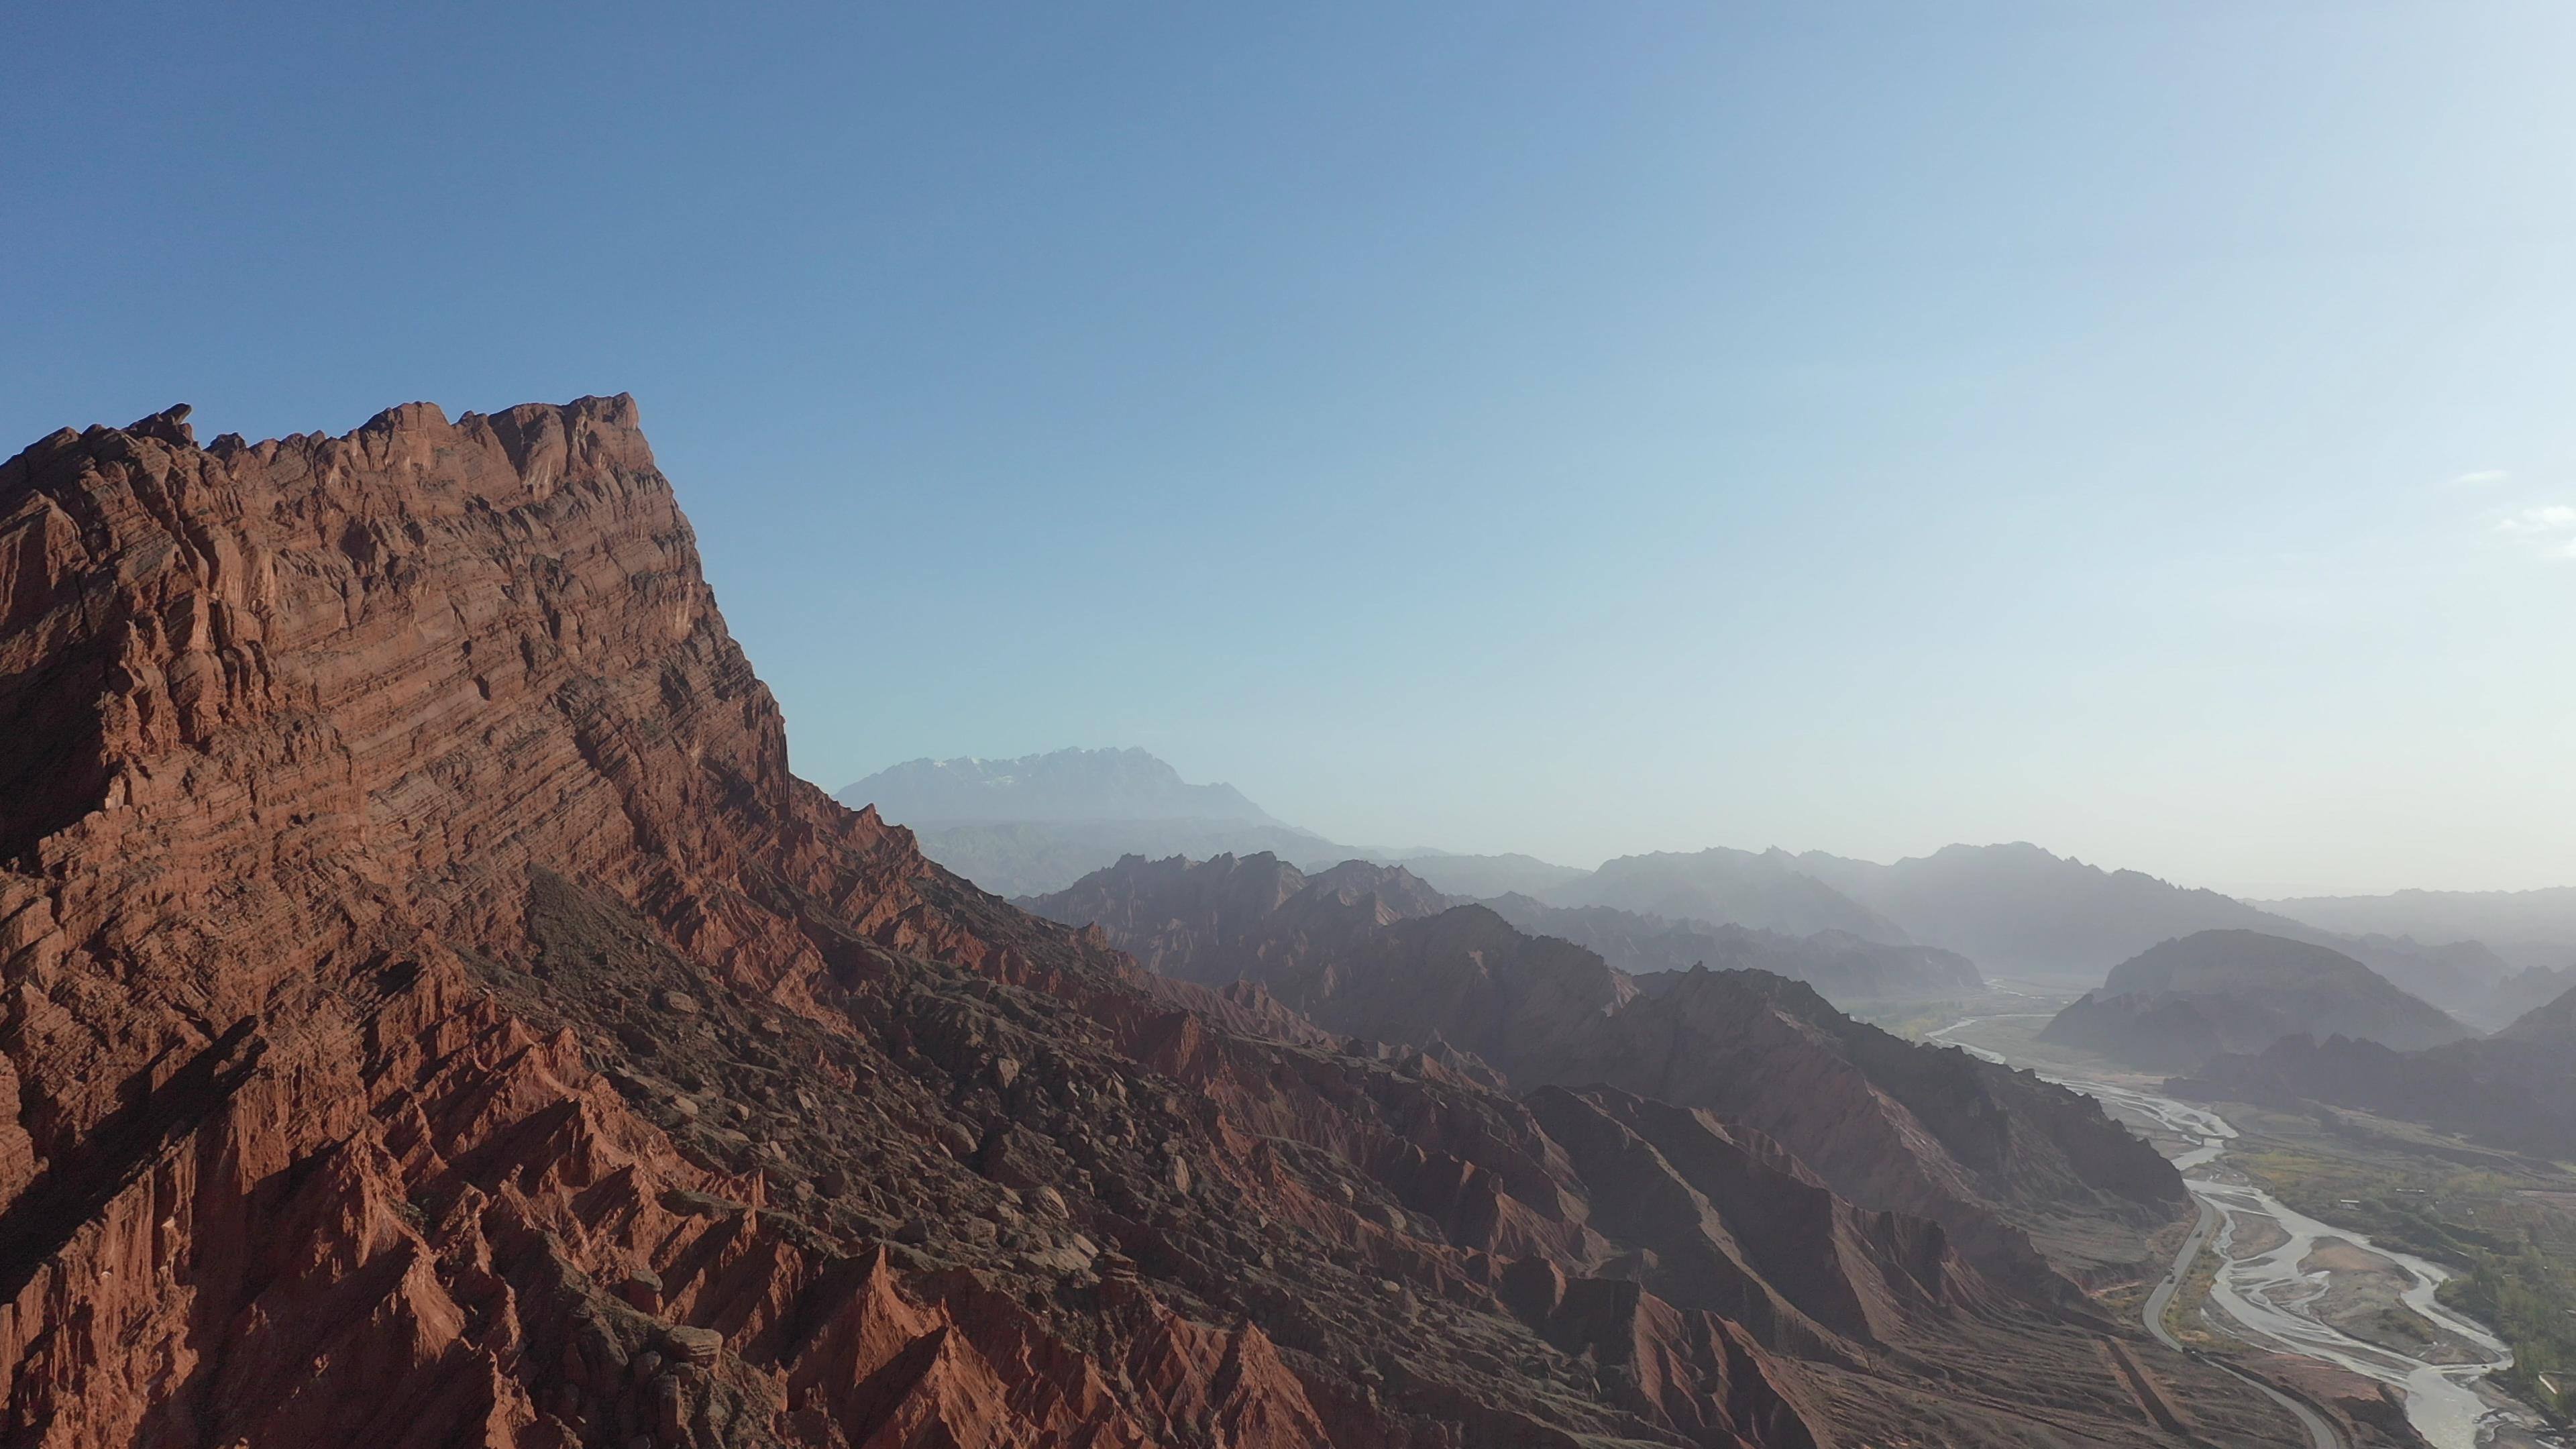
(2329, 1225)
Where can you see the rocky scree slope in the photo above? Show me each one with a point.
(433, 1014)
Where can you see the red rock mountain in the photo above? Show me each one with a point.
(434, 1015)
(1993, 1155)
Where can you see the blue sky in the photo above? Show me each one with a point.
(2149, 430)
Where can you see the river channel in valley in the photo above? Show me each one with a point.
(2269, 1297)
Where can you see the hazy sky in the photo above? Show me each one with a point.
(2145, 429)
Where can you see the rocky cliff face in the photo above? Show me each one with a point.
(434, 1015)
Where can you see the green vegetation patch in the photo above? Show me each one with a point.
(2529, 1298)
(2507, 1225)
(2445, 1211)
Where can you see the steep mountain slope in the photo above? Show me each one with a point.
(2019, 910)
(2521, 994)
(1034, 857)
(2465, 978)
(435, 1016)
(2178, 1004)
(1367, 951)
(1218, 920)
(2515, 1089)
(1766, 892)
(1472, 876)
(2526, 928)
(2550, 1024)
(1841, 966)
(1041, 822)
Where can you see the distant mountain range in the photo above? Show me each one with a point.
(1478, 877)
(1372, 951)
(2524, 928)
(1035, 825)
(2019, 910)
(2515, 1089)
(2176, 1005)
(1844, 968)
(554, 1067)
(1039, 823)
(1062, 786)
(1033, 857)
(1766, 891)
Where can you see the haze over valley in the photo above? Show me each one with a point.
(2394, 1023)
(1144, 726)
(1037, 825)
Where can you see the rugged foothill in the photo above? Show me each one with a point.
(2515, 1089)
(435, 1015)
(2178, 1004)
(1994, 1156)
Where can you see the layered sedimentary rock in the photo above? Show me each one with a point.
(435, 1015)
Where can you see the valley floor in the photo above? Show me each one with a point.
(2378, 1253)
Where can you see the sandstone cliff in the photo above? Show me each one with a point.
(434, 1015)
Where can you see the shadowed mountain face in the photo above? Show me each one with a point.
(1477, 877)
(437, 1017)
(2515, 1089)
(2525, 928)
(1368, 951)
(2179, 1004)
(1765, 891)
(2019, 910)
(1040, 823)
(1017, 827)
(1034, 857)
(2518, 995)
(1841, 966)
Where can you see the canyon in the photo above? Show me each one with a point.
(435, 1014)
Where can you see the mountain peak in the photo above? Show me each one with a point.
(1060, 785)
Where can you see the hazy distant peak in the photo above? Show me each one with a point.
(2554, 1021)
(2538, 917)
(1354, 879)
(1072, 784)
(1770, 891)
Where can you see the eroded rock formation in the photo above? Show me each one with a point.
(435, 1015)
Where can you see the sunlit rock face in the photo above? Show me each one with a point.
(434, 1015)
